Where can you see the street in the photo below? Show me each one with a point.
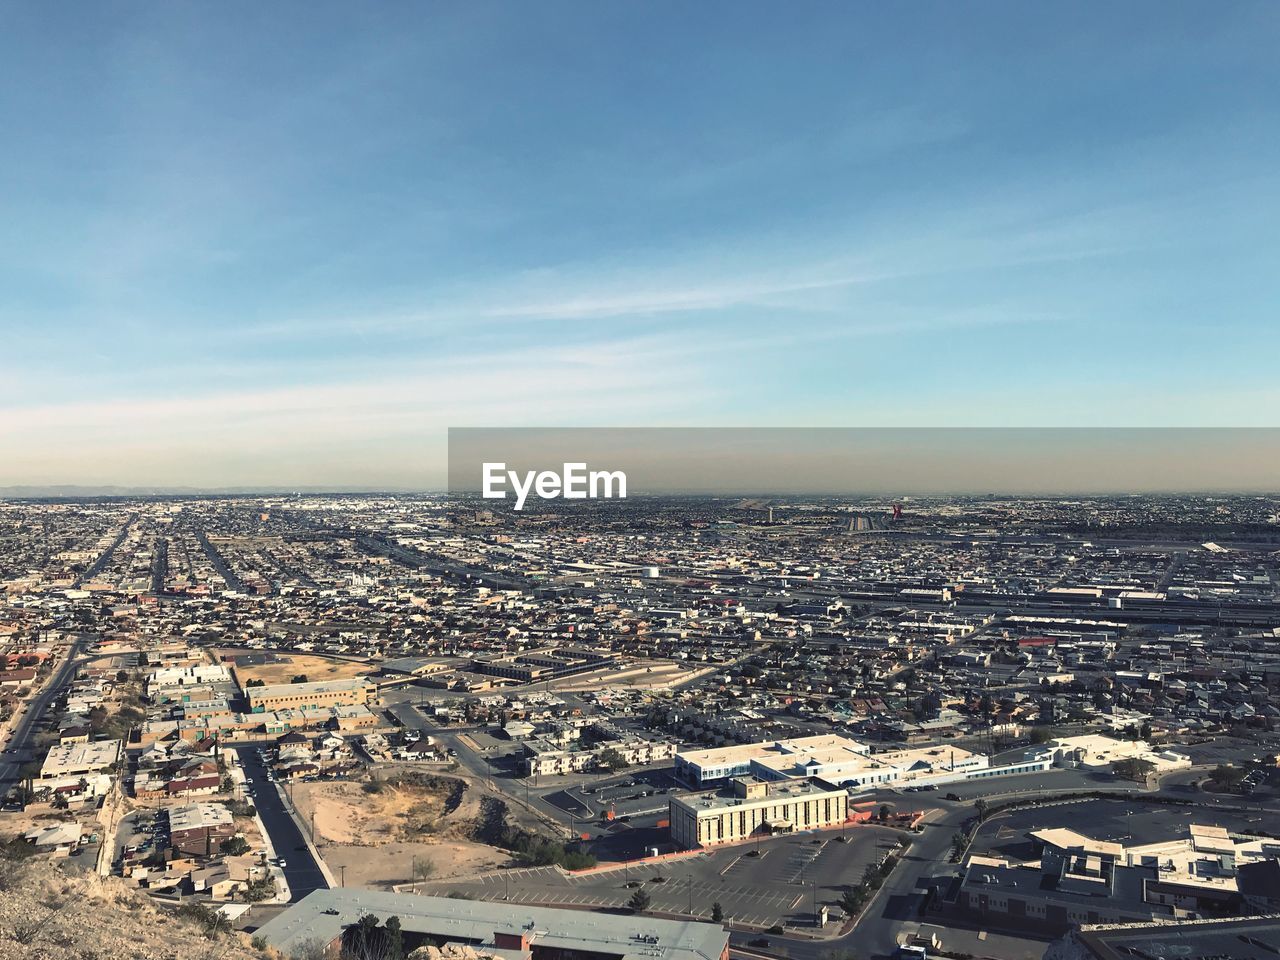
(301, 870)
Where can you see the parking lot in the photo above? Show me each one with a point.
(1119, 821)
(139, 835)
(774, 883)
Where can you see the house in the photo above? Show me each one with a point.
(58, 839)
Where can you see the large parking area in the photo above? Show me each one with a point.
(1120, 821)
(776, 884)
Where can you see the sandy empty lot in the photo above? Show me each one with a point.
(290, 665)
(392, 863)
(377, 836)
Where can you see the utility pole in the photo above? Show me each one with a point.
(343, 868)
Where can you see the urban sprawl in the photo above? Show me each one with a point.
(676, 728)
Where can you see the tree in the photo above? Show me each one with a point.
(1042, 735)
(423, 867)
(851, 900)
(366, 940)
(884, 812)
(1132, 768)
(299, 678)
(1227, 776)
(717, 912)
(395, 939)
(611, 759)
(255, 682)
(234, 846)
(980, 806)
(639, 901)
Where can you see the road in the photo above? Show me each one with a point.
(24, 726)
(301, 870)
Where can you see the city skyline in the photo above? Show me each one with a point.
(236, 260)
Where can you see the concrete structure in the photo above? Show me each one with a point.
(844, 762)
(324, 693)
(1099, 752)
(1253, 938)
(549, 663)
(512, 931)
(755, 808)
(1080, 880)
(75, 759)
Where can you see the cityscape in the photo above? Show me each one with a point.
(669, 726)
(578, 480)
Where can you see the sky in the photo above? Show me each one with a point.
(290, 244)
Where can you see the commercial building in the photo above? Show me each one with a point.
(1254, 938)
(1079, 880)
(511, 931)
(324, 693)
(1099, 752)
(76, 759)
(844, 762)
(199, 828)
(752, 808)
(549, 663)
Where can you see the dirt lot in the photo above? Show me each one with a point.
(290, 665)
(392, 863)
(376, 833)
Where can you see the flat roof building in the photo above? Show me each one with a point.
(514, 931)
(754, 808)
(323, 693)
(843, 762)
(72, 759)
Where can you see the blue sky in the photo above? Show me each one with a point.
(291, 243)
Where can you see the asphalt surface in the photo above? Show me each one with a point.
(300, 870)
(24, 729)
(776, 882)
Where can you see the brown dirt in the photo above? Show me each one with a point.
(290, 665)
(76, 918)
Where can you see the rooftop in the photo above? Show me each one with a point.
(323, 914)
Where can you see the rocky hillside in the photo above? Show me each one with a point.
(48, 915)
